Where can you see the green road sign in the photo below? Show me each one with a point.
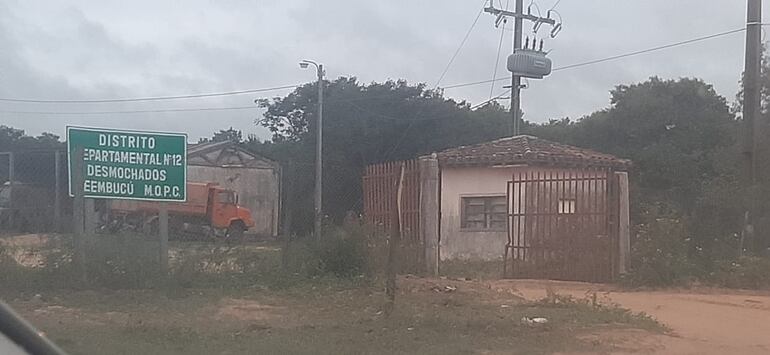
(134, 165)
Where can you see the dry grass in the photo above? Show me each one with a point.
(430, 316)
(222, 300)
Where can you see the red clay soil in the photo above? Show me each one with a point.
(702, 321)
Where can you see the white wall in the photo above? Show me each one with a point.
(456, 243)
(456, 183)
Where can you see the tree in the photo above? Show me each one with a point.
(680, 136)
(228, 135)
(223, 135)
(31, 165)
(677, 133)
(13, 139)
(670, 129)
(365, 124)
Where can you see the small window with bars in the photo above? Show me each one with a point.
(484, 213)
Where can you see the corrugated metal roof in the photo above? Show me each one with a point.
(226, 154)
(524, 149)
(199, 147)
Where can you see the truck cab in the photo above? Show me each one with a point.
(225, 213)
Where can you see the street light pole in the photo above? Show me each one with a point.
(319, 146)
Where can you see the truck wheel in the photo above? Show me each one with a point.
(235, 232)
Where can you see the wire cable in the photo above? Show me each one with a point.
(131, 111)
(155, 98)
(531, 3)
(653, 49)
(497, 60)
(571, 66)
(615, 57)
(462, 43)
(390, 152)
(490, 100)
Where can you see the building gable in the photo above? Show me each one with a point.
(226, 154)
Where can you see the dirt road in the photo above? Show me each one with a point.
(704, 321)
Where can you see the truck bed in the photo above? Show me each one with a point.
(197, 201)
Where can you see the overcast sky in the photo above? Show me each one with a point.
(96, 49)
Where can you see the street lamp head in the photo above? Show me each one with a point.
(306, 63)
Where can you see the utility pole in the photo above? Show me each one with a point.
(518, 23)
(752, 101)
(318, 156)
(519, 16)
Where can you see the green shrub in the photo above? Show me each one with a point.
(125, 261)
(111, 261)
(660, 254)
(11, 273)
(746, 272)
(343, 256)
(352, 250)
(344, 251)
(118, 261)
(45, 270)
(300, 257)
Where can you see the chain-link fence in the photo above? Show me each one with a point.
(33, 194)
(121, 247)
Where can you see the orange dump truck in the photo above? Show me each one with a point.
(209, 210)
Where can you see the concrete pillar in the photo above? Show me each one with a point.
(624, 231)
(429, 212)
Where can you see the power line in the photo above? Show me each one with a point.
(226, 108)
(153, 98)
(615, 57)
(453, 86)
(571, 66)
(389, 153)
(131, 111)
(249, 91)
(462, 43)
(676, 44)
(497, 58)
(490, 100)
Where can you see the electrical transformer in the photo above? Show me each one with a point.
(529, 63)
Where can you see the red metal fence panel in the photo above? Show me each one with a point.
(382, 205)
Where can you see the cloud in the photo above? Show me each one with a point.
(17, 77)
(102, 49)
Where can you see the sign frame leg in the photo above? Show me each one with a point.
(163, 237)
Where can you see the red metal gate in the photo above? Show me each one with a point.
(562, 225)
